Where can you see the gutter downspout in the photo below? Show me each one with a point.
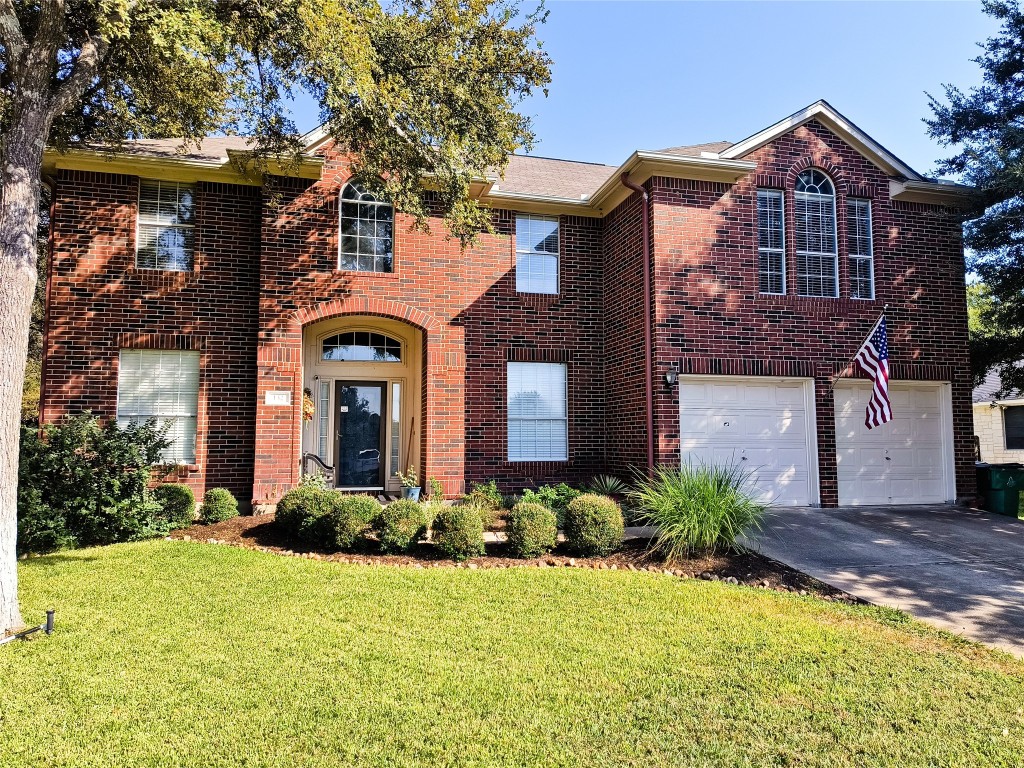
(648, 353)
(50, 182)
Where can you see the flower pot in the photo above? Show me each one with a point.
(411, 493)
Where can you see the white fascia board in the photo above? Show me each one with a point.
(930, 192)
(314, 138)
(826, 114)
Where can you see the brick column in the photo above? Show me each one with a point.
(824, 406)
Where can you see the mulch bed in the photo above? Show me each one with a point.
(260, 533)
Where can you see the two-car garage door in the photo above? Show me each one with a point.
(768, 426)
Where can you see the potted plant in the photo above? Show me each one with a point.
(410, 484)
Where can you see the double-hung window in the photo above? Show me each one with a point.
(536, 254)
(817, 249)
(165, 226)
(771, 241)
(537, 412)
(858, 226)
(163, 385)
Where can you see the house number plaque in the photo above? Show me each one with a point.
(279, 397)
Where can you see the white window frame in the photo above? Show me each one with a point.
(524, 257)
(869, 257)
(833, 254)
(142, 220)
(371, 200)
(187, 402)
(525, 371)
(770, 252)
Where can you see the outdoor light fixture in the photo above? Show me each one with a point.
(672, 376)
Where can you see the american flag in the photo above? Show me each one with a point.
(873, 358)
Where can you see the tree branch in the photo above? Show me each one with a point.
(93, 51)
(11, 36)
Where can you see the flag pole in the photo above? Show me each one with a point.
(835, 379)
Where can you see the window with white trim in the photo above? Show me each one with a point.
(367, 231)
(771, 241)
(858, 228)
(538, 422)
(817, 248)
(536, 254)
(165, 226)
(161, 384)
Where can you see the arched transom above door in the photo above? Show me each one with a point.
(361, 347)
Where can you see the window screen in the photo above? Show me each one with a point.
(858, 226)
(817, 251)
(1013, 427)
(771, 242)
(537, 412)
(536, 254)
(163, 385)
(166, 224)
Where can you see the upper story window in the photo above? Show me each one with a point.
(361, 347)
(858, 227)
(367, 231)
(771, 241)
(161, 384)
(817, 248)
(536, 254)
(165, 226)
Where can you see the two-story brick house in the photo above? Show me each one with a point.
(699, 301)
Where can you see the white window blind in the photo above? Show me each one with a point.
(166, 224)
(858, 225)
(817, 250)
(537, 412)
(771, 242)
(163, 385)
(536, 254)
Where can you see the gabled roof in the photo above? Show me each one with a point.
(698, 150)
(986, 391)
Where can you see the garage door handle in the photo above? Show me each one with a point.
(888, 458)
(743, 458)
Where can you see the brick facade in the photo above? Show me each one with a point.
(266, 269)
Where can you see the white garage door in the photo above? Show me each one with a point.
(906, 461)
(764, 424)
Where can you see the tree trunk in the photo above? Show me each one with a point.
(20, 165)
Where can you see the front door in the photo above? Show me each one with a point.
(360, 447)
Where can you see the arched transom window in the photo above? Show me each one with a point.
(817, 249)
(367, 227)
(361, 347)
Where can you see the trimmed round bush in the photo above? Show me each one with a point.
(177, 505)
(301, 510)
(218, 505)
(345, 525)
(593, 525)
(400, 525)
(459, 531)
(532, 530)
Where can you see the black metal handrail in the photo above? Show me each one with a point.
(307, 457)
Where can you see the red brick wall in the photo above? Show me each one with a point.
(712, 319)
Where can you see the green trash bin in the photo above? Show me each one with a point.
(1005, 482)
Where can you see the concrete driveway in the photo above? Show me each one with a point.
(956, 568)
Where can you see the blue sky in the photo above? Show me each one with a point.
(647, 75)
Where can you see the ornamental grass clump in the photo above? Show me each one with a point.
(400, 525)
(700, 508)
(532, 530)
(458, 531)
(593, 525)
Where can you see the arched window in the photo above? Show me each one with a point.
(367, 226)
(361, 347)
(817, 249)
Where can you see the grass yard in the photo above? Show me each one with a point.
(182, 654)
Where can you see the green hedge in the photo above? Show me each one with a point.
(532, 530)
(593, 525)
(326, 519)
(400, 525)
(459, 531)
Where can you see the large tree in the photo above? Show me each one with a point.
(413, 89)
(986, 128)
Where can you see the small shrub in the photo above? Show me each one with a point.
(177, 505)
(459, 531)
(698, 508)
(345, 525)
(532, 530)
(400, 525)
(593, 525)
(554, 497)
(315, 479)
(300, 511)
(436, 489)
(485, 495)
(218, 505)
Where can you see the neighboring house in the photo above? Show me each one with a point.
(998, 423)
(550, 350)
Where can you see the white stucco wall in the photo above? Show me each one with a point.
(988, 426)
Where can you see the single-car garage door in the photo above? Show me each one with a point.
(905, 461)
(765, 424)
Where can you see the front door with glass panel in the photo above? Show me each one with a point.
(361, 420)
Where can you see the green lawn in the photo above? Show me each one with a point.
(184, 654)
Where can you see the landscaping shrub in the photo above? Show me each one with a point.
(345, 525)
(400, 525)
(458, 531)
(82, 484)
(218, 505)
(532, 530)
(177, 505)
(554, 497)
(593, 525)
(326, 519)
(485, 495)
(698, 508)
(607, 485)
(300, 510)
